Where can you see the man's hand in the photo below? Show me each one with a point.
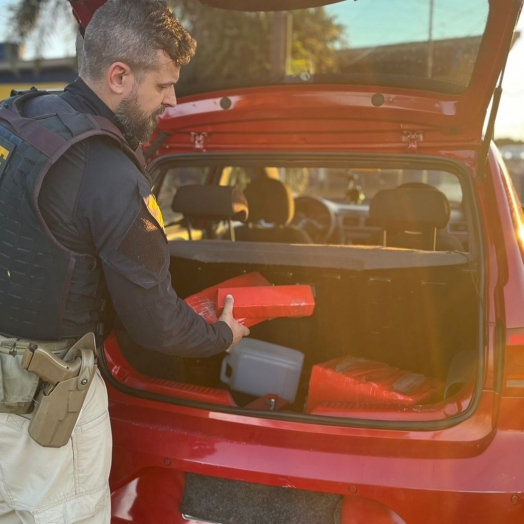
(238, 330)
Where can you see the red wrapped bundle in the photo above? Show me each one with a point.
(268, 301)
(205, 302)
(358, 380)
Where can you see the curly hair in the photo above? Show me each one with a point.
(132, 31)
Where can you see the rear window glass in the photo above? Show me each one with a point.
(331, 204)
(429, 44)
(339, 185)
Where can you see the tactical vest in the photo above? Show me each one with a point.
(47, 292)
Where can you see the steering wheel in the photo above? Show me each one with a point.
(315, 216)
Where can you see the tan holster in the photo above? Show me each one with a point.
(65, 385)
(58, 374)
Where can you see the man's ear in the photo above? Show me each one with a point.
(120, 79)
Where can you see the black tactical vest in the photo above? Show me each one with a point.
(47, 292)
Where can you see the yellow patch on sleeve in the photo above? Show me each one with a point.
(6, 148)
(154, 210)
(4, 153)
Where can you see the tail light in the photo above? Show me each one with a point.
(513, 380)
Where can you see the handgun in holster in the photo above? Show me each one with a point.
(66, 383)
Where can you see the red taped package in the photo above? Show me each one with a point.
(268, 301)
(205, 302)
(359, 380)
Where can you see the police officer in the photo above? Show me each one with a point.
(81, 228)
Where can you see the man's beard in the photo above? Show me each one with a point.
(134, 120)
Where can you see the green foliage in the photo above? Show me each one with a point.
(24, 17)
(235, 47)
(43, 16)
(316, 41)
(231, 44)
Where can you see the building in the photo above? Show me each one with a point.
(16, 73)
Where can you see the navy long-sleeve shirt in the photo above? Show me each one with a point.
(96, 201)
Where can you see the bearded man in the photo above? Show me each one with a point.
(91, 239)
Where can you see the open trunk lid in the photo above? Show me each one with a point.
(435, 62)
(397, 75)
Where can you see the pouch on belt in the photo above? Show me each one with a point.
(18, 387)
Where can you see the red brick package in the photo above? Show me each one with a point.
(269, 301)
(358, 380)
(256, 300)
(205, 302)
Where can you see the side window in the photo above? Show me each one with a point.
(174, 178)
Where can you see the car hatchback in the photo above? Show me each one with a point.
(368, 179)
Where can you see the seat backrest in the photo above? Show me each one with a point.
(410, 216)
(270, 201)
(210, 203)
(271, 209)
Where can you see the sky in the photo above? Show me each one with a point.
(510, 120)
(388, 22)
(466, 18)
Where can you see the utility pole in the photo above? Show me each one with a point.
(430, 38)
(281, 43)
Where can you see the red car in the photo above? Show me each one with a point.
(368, 178)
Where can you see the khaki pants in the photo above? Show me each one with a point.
(58, 485)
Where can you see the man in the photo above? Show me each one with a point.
(98, 235)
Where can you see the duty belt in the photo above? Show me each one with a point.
(17, 346)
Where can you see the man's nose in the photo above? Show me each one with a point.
(169, 98)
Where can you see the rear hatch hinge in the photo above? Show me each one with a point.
(412, 138)
(199, 140)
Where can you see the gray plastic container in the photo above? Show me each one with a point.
(260, 368)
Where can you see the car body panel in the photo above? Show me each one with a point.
(314, 118)
(348, 461)
(270, 5)
(84, 10)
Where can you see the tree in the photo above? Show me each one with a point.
(36, 17)
(317, 40)
(233, 46)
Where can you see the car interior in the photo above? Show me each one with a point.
(388, 252)
(302, 205)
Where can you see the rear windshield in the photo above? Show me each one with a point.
(422, 44)
(339, 185)
(332, 203)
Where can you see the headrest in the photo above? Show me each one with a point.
(270, 200)
(407, 208)
(211, 202)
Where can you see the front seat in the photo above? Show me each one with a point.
(414, 217)
(271, 209)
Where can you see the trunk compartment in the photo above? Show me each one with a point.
(414, 311)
